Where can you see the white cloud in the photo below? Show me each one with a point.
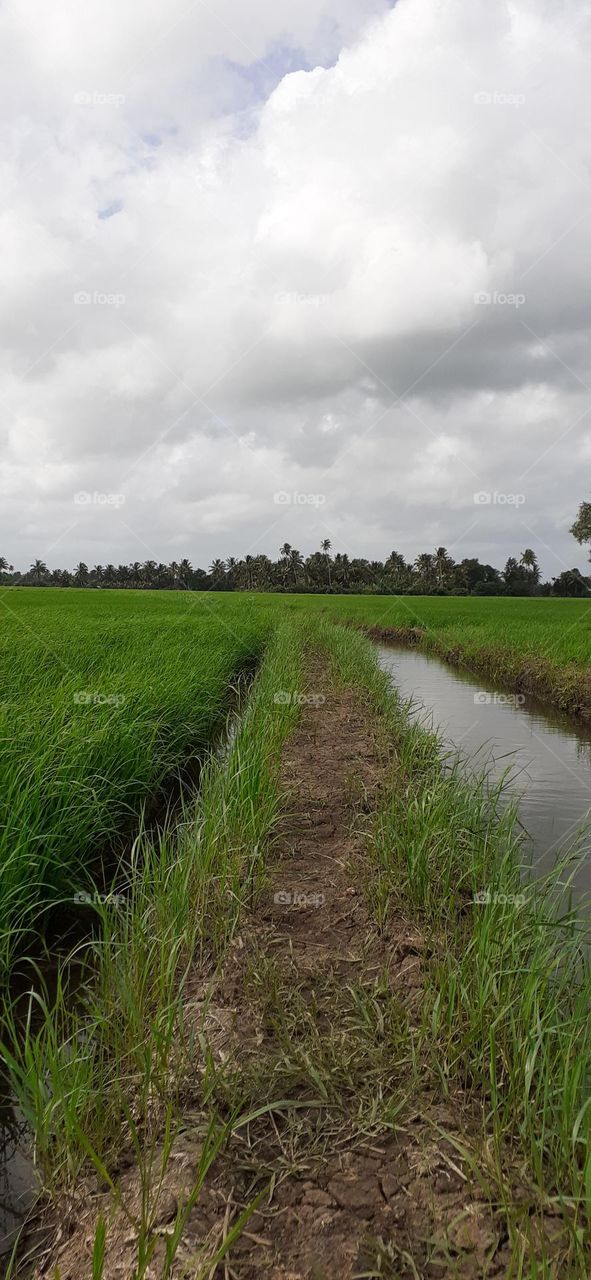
(280, 258)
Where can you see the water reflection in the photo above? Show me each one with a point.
(548, 755)
(17, 1181)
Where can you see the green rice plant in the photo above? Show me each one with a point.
(105, 695)
(104, 698)
(90, 1075)
(533, 628)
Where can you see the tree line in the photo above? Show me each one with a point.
(432, 573)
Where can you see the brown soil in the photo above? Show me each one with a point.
(314, 1006)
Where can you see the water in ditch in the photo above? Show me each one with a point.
(547, 754)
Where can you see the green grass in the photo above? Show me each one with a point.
(103, 696)
(114, 1069)
(506, 1012)
(538, 628)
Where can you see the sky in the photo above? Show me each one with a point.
(286, 272)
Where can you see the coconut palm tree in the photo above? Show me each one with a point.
(263, 572)
(149, 571)
(529, 561)
(231, 569)
(285, 554)
(325, 546)
(342, 569)
(185, 571)
(425, 568)
(397, 570)
(443, 565)
(511, 573)
(38, 571)
(217, 572)
(296, 562)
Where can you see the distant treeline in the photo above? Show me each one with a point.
(432, 573)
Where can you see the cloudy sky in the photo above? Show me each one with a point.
(287, 271)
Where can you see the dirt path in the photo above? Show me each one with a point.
(315, 1009)
(367, 1184)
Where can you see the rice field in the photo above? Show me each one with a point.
(104, 696)
(553, 630)
(192, 1023)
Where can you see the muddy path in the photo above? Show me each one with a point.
(343, 1170)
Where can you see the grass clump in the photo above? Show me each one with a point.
(112, 1071)
(507, 1002)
